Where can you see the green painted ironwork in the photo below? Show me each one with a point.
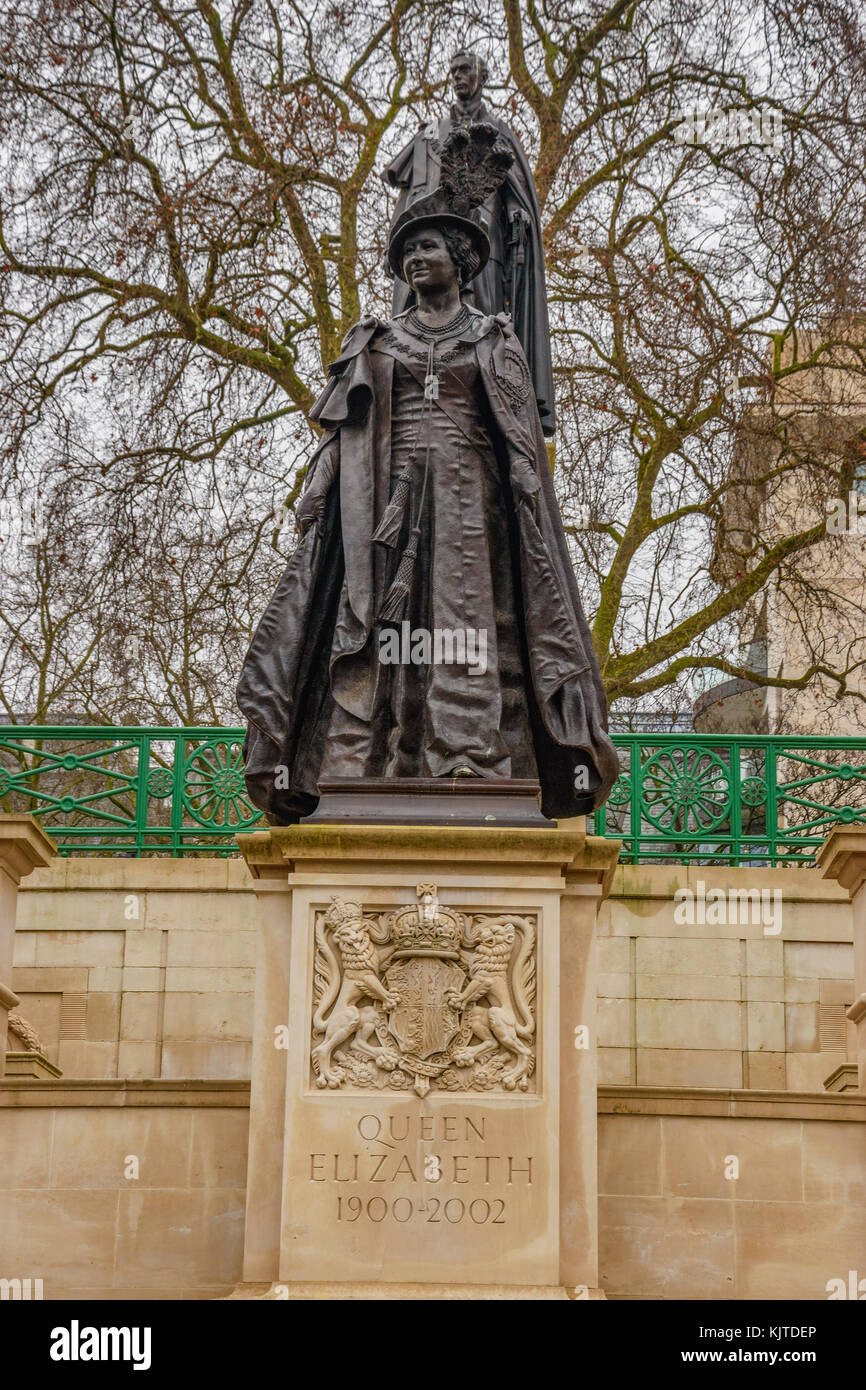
(750, 799)
(129, 791)
(680, 798)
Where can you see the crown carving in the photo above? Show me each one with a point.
(428, 929)
(341, 911)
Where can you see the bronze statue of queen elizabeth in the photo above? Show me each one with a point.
(429, 509)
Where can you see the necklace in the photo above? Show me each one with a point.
(429, 332)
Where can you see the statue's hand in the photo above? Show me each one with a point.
(309, 511)
(526, 489)
(325, 468)
(529, 500)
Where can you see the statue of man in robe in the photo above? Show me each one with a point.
(513, 279)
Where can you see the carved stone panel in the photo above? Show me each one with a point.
(423, 998)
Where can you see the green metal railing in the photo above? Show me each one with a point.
(750, 799)
(680, 798)
(129, 791)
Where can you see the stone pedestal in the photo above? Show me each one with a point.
(423, 1109)
(843, 857)
(24, 846)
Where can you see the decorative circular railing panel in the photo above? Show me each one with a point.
(685, 790)
(214, 791)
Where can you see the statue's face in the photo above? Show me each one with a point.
(427, 264)
(465, 77)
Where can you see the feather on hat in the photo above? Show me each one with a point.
(474, 161)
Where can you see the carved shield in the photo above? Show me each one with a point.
(422, 1022)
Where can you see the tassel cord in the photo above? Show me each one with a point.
(428, 417)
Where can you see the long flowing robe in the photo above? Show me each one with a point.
(317, 651)
(513, 278)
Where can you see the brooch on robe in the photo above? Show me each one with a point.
(514, 378)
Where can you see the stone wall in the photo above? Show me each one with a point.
(138, 968)
(76, 1213)
(674, 1224)
(733, 1004)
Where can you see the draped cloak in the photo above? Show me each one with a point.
(415, 171)
(317, 639)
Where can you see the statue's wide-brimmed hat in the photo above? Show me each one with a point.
(432, 210)
(474, 161)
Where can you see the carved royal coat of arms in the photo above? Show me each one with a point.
(423, 997)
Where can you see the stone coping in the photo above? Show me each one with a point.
(660, 880)
(113, 873)
(24, 845)
(731, 1104)
(31, 1064)
(8, 1000)
(283, 849)
(857, 1009)
(41, 1093)
(100, 873)
(843, 856)
(32, 1093)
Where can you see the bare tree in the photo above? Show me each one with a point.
(191, 218)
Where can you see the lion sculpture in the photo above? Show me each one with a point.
(505, 1020)
(341, 1015)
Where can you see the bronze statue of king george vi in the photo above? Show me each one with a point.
(429, 512)
(512, 278)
